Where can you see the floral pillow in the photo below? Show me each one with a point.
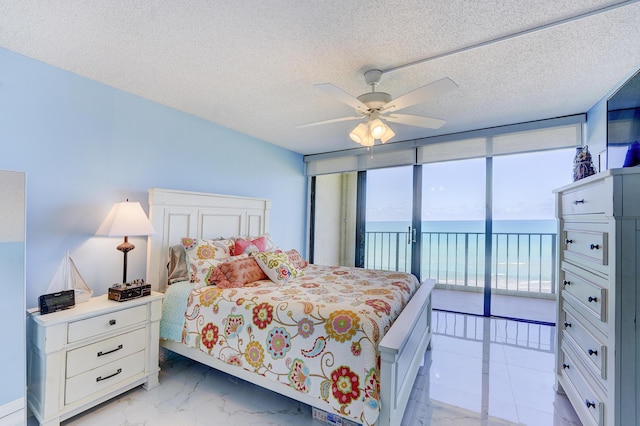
(296, 259)
(204, 255)
(277, 266)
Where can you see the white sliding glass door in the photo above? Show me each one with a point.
(524, 233)
(388, 229)
(453, 226)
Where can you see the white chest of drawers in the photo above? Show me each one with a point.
(83, 356)
(598, 348)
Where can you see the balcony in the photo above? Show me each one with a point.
(522, 264)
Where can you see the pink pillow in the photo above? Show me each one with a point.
(216, 277)
(244, 271)
(250, 246)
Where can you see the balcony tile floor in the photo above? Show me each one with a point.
(543, 310)
(479, 371)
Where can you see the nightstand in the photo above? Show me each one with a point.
(80, 357)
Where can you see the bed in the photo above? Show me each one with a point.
(328, 338)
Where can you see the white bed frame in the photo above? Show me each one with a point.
(176, 214)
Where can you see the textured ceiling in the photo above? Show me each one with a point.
(251, 65)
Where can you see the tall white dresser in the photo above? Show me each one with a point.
(597, 363)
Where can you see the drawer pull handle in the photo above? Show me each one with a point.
(592, 299)
(565, 365)
(110, 352)
(567, 324)
(592, 352)
(112, 322)
(568, 241)
(590, 404)
(566, 282)
(576, 202)
(99, 379)
(595, 246)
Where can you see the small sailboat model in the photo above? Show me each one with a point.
(68, 277)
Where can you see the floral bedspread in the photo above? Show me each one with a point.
(318, 333)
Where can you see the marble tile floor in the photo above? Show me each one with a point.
(479, 372)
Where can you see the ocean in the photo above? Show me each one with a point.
(523, 252)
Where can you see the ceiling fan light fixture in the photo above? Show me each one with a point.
(368, 140)
(377, 128)
(387, 135)
(359, 134)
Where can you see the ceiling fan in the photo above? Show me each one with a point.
(374, 107)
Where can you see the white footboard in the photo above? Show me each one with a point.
(402, 351)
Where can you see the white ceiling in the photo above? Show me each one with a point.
(251, 65)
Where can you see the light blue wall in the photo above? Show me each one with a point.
(85, 146)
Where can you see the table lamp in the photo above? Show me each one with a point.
(126, 220)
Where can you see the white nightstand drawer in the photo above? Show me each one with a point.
(95, 326)
(100, 353)
(90, 382)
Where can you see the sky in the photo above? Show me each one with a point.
(455, 190)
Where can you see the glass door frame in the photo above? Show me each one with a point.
(416, 227)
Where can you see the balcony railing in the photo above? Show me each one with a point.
(520, 262)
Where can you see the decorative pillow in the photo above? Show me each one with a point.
(204, 255)
(177, 268)
(217, 278)
(296, 259)
(277, 266)
(243, 246)
(269, 244)
(244, 271)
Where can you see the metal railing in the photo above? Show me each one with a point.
(520, 262)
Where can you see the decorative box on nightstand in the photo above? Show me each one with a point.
(80, 357)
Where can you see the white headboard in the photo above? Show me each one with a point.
(177, 214)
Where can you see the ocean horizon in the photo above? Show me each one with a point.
(453, 252)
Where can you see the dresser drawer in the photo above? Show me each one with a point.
(111, 374)
(92, 327)
(589, 246)
(589, 199)
(585, 343)
(587, 293)
(589, 402)
(108, 350)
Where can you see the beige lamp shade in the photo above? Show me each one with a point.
(126, 219)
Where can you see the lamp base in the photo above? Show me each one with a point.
(125, 248)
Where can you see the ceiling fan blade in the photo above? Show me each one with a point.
(341, 95)
(333, 120)
(420, 94)
(415, 120)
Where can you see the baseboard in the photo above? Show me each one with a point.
(12, 413)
